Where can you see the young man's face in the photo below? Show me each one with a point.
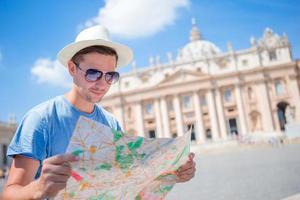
(95, 90)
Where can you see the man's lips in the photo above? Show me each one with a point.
(97, 92)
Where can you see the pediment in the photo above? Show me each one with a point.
(181, 76)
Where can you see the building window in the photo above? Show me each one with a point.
(151, 134)
(279, 87)
(233, 126)
(187, 104)
(245, 62)
(149, 108)
(193, 135)
(228, 95)
(203, 100)
(272, 55)
(208, 134)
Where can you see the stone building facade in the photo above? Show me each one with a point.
(220, 94)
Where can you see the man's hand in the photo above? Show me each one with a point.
(186, 171)
(55, 173)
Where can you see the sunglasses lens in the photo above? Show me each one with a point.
(112, 77)
(93, 75)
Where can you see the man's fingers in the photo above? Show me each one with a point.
(184, 179)
(186, 176)
(61, 170)
(188, 171)
(186, 166)
(191, 156)
(62, 158)
(57, 178)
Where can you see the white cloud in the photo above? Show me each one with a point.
(51, 72)
(137, 18)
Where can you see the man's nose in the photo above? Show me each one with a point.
(101, 83)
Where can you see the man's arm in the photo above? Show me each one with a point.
(19, 184)
(55, 172)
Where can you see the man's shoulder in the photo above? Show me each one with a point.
(46, 107)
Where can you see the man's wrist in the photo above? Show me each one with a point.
(37, 192)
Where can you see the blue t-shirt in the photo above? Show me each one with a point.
(47, 128)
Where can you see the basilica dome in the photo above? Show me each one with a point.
(198, 48)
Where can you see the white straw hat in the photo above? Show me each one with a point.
(96, 35)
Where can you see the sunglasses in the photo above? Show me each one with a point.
(92, 75)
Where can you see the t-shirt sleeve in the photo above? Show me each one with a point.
(30, 139)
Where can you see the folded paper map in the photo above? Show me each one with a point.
(116, 165)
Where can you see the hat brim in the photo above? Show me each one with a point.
(125, 54)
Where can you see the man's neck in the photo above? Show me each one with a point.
(79, 102)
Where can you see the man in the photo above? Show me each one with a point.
(40, 167)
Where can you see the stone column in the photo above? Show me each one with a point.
(158, 120)
(241, 109)
(139, 119)
(119, 111)
(265, 107)
(221, 115)
(178, 115)
(119, 114)
(212, 114)
(200, 132)
(165, 118)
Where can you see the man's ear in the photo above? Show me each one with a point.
(71, 68)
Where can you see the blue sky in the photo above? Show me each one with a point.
(33, 31)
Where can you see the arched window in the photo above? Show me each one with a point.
(281, 112)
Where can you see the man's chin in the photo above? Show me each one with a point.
(96, 99)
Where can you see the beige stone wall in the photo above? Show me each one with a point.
(6, 133)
